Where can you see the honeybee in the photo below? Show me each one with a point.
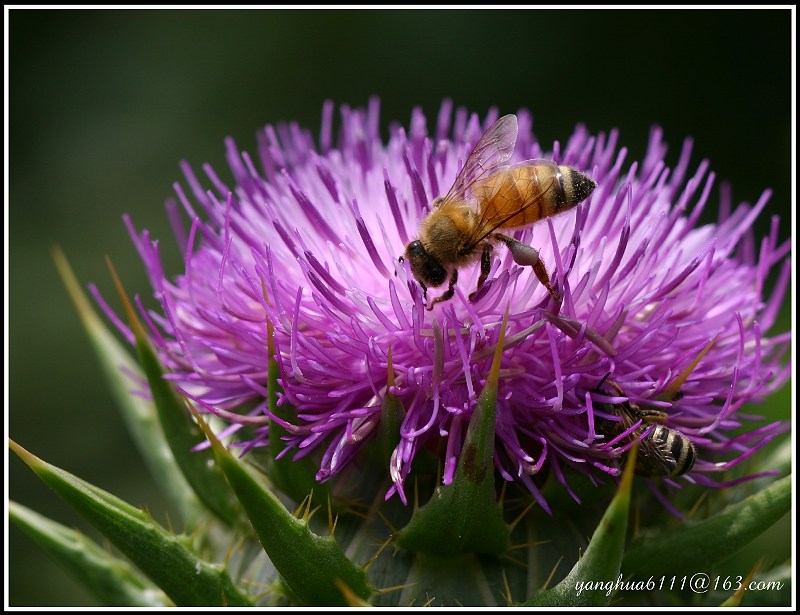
(488, 195)
(663, 451)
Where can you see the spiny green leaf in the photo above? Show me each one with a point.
(697, 546)
(432, 579)
(314, 567)
(463, 517)
(591, 581)
(113, 581)
(139, 414)
(185, 578)
(182, 433)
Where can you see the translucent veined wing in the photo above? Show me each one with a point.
(493, 149)
(651, 457)
(504, 208)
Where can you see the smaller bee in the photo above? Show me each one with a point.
(663, 451)
(486, 196)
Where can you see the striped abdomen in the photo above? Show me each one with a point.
(674, 453)
(521, 195)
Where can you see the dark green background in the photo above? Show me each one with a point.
(103, 105)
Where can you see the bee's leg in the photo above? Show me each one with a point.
(448, 294)
(486, 266)
(424, 291)
(524, 254)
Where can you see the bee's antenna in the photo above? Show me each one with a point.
(602, 382)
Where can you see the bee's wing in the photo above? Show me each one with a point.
(493, 218)
(492, 150)
(649, 452)
(652, 458)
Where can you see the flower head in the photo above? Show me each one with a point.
(307, 239)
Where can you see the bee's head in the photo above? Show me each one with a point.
(424, 266)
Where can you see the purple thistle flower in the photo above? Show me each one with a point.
(311, 242)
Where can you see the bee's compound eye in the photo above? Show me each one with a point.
(423, 266)
(415, 249)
